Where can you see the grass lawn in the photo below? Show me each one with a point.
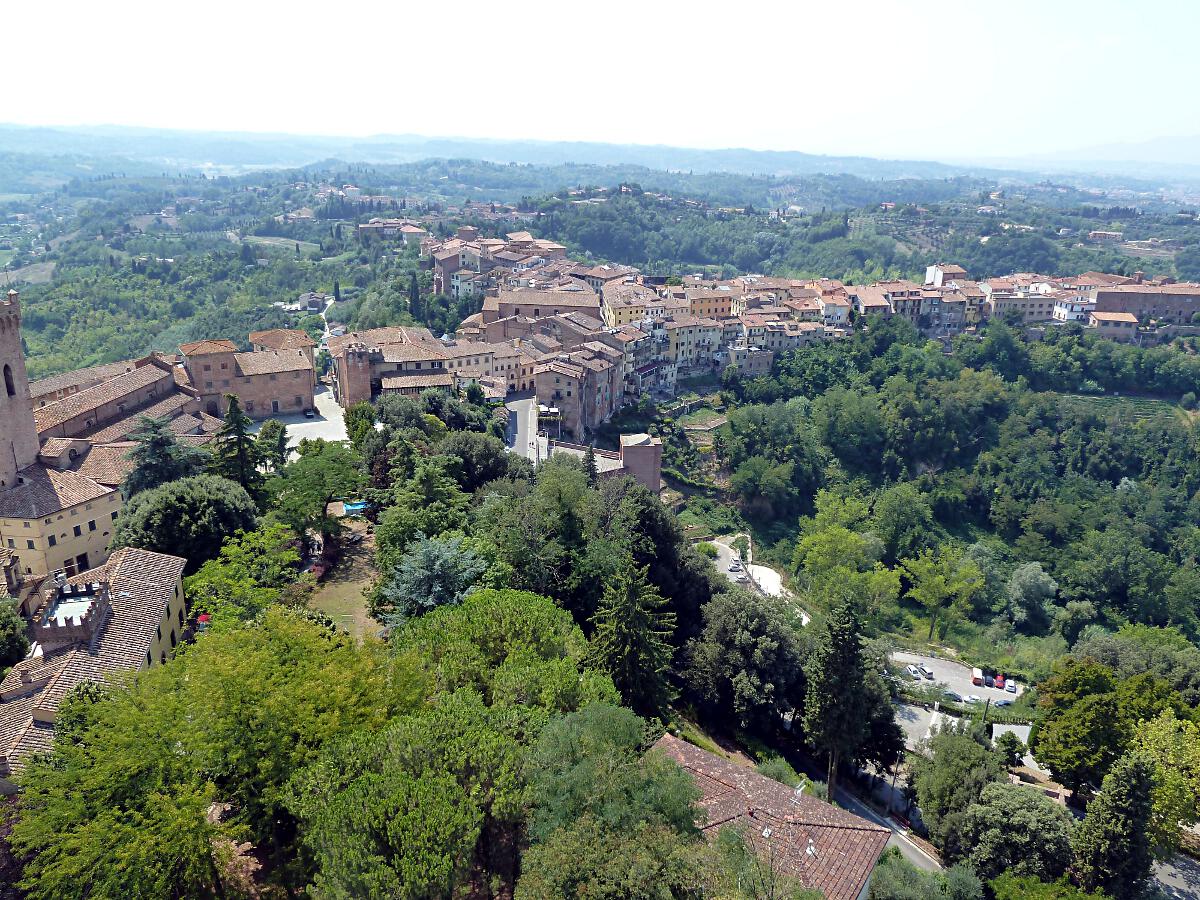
(702, 416)
(340, 595)
(6, 257)
(34, 273)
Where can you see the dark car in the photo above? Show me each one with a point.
(1004, 702)
(989, 681)
(308, 414)
(953, 695)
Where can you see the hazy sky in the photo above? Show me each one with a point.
(927, 78)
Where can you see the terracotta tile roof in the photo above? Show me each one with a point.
(1113, 316)
(43, 491)
(60, 411)
(271, 362)
(823, 847)
(282, 339)
(200, 348)
(403, 353)
(55, 383)
(408, 382)
(107, 464)
(381, 337)
(168, 407)
(141, 585)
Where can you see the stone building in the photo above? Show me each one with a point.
(266, 382)
(50, 518)
(124, 616)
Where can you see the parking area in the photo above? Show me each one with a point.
(954, 676)
(328, 422)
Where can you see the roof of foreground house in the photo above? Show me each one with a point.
(821, 846)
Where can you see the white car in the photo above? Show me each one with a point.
(913, 672)
(972, 698)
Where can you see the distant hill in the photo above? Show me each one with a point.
(241, 152)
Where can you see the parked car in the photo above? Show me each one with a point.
(735, 566)
(925, 671)
(953, 695)
(972, 698)
(1000, 681)
(989, 681)
(977, 677)
(308, 414)
(1010, 686)
(913, 672)
(1004, 702)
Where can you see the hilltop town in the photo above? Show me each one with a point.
(434, 422)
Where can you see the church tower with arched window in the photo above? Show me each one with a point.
(18, 434)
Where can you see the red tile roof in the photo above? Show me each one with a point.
(823, 847)
(282, 339)
(200, 348)
(43, 491)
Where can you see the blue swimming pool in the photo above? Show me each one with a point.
(353, 509)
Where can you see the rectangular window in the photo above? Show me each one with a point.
(52, 540)
(29, 545)
(78, 530)
(92, 525)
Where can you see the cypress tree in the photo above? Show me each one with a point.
(835, 716)
(1112, 848)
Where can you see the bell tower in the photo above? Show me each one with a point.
(18, 435)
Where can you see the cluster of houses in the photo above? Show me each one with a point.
(587, 338)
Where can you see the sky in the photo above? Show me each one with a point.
(931, 79)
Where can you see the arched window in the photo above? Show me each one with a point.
(8, 381)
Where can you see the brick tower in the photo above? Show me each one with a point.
(18, 434)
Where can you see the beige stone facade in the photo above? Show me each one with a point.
(266, 382)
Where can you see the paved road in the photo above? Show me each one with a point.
(955, 676)
(766, 580)
(1179, 878)
(899, 838)
(726, 555)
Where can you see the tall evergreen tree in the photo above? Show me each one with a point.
(414, 296)
(835, 717)
(271, 444)
(589, 463)
(158, 458)
(632, 640)
(1112, 847)
(236, 456)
